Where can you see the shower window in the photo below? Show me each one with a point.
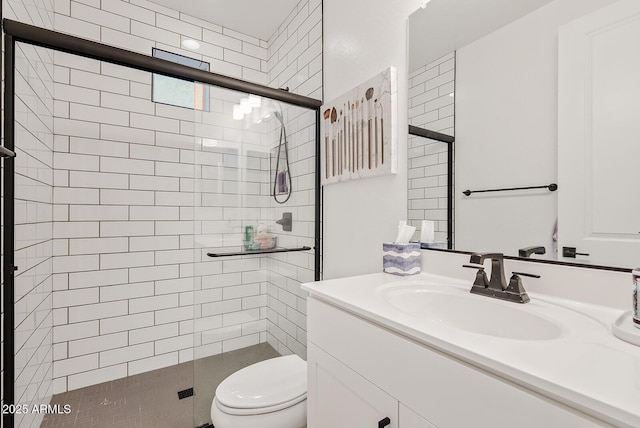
(178, 92)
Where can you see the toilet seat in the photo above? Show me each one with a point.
(258, 410)
(291, 417)
(264, 387)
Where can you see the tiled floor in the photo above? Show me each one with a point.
(151, 399)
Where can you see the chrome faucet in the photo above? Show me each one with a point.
(497, 286)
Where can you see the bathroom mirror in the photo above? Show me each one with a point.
(506, 78)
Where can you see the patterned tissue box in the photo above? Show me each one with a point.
(401, 259)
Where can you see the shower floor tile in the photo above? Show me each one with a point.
(151, 399)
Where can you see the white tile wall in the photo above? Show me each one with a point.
(295, 60)
(33, 213)
(430, 107)
(227, 167)
(127, 175)
(125, 230)
(295, 51)
(141, 25)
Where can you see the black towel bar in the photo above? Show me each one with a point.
(552, 188)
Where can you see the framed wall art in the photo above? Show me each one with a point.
(358, 131)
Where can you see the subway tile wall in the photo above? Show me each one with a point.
(431, 106)
(33, 214)
(140, 25)
(232, 191)
(33, 229)
(286, 312)
(140, 190)
(295, 61)
(295, 51)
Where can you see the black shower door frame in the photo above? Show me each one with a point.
(19, 32)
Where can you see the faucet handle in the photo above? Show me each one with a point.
(515, 286)
(474, 266)
(481, 280)
(530, 275)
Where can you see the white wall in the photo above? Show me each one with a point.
(362, 38)
(506, 131)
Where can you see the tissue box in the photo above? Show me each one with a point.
(437, 245)
(401, 259)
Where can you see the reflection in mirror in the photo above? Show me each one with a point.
(431, 102)
(430, 184)
(511, 110)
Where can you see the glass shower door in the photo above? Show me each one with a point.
(252, 252)
(121, 198)
(103, 243)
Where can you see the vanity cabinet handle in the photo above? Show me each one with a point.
(384, 422)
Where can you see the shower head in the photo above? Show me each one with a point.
(278, 116)
(282, 178)
(270, 109)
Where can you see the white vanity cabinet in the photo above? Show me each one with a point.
(410, 419)
(343, 398)
(361, 373)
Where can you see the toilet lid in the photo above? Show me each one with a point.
(265, 384)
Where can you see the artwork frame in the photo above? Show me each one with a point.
(358, 131)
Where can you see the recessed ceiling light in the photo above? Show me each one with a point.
(190, 44)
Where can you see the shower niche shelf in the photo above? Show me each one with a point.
(250, 252)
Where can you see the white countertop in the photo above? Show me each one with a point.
(586, 368)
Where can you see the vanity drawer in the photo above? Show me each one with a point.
(445, 391)
(339, 397)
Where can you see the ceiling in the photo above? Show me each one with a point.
(443, 26)
(257, 18)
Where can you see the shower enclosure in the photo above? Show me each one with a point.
(141, 235)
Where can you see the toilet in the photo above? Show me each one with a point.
(268, 394)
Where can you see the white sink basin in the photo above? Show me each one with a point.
(458, 309)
